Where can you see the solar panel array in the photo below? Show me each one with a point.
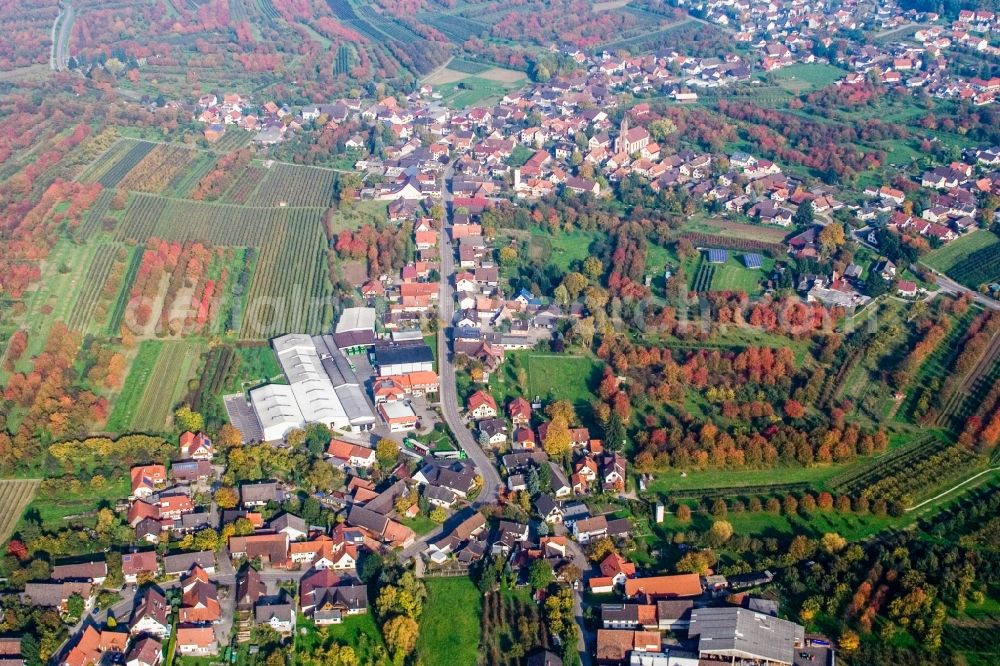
(717, 256)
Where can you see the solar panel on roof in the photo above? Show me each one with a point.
(753, 260)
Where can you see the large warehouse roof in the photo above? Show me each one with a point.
(322, 388)
(738, 632)
(403, 354)
(356, 319)
(276, 409)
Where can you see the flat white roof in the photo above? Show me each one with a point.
(356, 319)
(397, 410)
(276, 407)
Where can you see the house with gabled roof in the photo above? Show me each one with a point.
(481, 405)
(151, 616)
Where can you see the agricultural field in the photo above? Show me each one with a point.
(156, 385)
(460, 89)
(951, 254)
(294, 186)
(978, 267)
(450, 624)
(15, 495)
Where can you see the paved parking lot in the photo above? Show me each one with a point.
(815, 655)
(241, 415)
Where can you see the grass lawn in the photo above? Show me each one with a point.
(450, 625)
(761, 523)
(358, 631)
(421, 524)
(735, 276)
(566, 248)
(807, 77)
(438, 440)
(473, 90)
(52, 507)
(432, 342)
(549, 376)
(670, 481)
(135, 384)
(947, 256)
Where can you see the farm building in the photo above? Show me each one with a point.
(717, 256)
(322, 388)
(733, 633)
(355, 330)
(753, 260)
(403, 359)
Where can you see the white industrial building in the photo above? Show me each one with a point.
(356, 319)
(403, 359)
(322, 388)
(276, 410)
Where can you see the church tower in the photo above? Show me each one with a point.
(621, 143)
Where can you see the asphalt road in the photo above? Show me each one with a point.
(60, 40)
(446, 366)
(586, 636)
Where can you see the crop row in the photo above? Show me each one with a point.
(731, 243)
(123, 166)
(90, 291)
(978, 268)
(267, 9)
(296, 186)
(156, 171)
(342, 66)
(855, 480)
(166, 385)
(100, 166)
(94, 215)
(125, 289)
(290, 289)
(15, 495)
(912, 482)
(458, 29)
(185, 179)
(244, 185)
(386, 25)
(986, 366)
